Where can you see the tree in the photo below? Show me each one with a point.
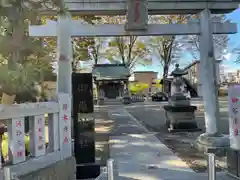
(169, 49)
(21, 52)
(137, 88)
(20, 49)
(128, 50)
(80, 45)
(165, 48)
(190, 43)
(96, 49)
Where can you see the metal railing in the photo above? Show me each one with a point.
(137, 98)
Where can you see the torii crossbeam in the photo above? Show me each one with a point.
(119, 7)
(77, 29)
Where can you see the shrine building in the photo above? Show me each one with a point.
(110, 79)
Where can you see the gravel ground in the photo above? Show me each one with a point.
(180, 143)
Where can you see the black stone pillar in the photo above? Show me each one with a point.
(84, 126)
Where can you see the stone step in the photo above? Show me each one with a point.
(112, 102)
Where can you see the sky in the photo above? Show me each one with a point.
(228, 65)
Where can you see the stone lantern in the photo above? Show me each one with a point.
(180, 115)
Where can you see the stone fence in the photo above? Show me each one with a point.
(49, 146)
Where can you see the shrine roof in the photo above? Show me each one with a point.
(110, 72)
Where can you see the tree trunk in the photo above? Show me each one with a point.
(165, 75)
(17, 34)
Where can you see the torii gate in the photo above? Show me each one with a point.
(137, 17)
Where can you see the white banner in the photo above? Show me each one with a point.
(234, 116)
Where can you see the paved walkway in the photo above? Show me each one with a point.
(141, 156)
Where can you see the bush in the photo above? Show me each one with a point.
(5, 145)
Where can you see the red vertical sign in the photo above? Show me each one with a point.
(18, 124)
(234, 100)
(137, 11)
(64, 107)
(65, 140)
(65, 118)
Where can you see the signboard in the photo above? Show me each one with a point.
(82, 87)
(84, 140)
(137, 15)
(234, 116)
(82, 93)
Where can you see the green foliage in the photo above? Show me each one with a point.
(129, 50)
(19, 79)
(157, 83)
(80, 45)
(21, 55)
(166, 48)
(24, 61)
(96, 49)
(138, 88)
(5, 144)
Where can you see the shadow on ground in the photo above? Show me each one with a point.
(153, 118)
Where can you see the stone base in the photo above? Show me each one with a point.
(61, 170)
(87, 171)
(212, 142)
(178, 99)
(190, 128)
(100, 101)
(180, 118)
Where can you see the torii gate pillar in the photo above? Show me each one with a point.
(65, 55)
(212, 138)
